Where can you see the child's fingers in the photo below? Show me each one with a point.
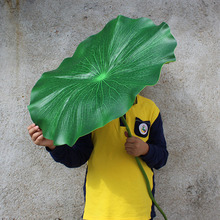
(131, 140)
(130, 151)
(36, 135)
(30, 126)
(33, 130)
(39, 139)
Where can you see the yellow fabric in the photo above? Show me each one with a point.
(115, 187)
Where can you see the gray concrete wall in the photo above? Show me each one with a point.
(35, 36)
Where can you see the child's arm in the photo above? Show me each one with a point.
(69, 156)
(157, 154)
(154, 152)
(74, 156)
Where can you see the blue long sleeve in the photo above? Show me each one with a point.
(157, 154)
(74, 156)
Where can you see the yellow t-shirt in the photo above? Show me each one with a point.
(115, 187)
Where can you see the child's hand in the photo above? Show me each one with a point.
(135, 146)
(38, 138)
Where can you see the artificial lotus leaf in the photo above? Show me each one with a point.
(100, 81)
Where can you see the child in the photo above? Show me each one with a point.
(115, 188)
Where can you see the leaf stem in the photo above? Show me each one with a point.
(143, 172)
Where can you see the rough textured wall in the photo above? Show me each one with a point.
(35, 36)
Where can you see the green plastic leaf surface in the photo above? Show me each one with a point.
(100, 81)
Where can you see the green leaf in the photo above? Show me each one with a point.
(100, 81)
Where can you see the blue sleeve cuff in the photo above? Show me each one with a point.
(74, 156)
(148, 157)
(55, 150)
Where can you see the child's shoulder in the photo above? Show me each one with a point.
(147, 107)
(145, 101)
